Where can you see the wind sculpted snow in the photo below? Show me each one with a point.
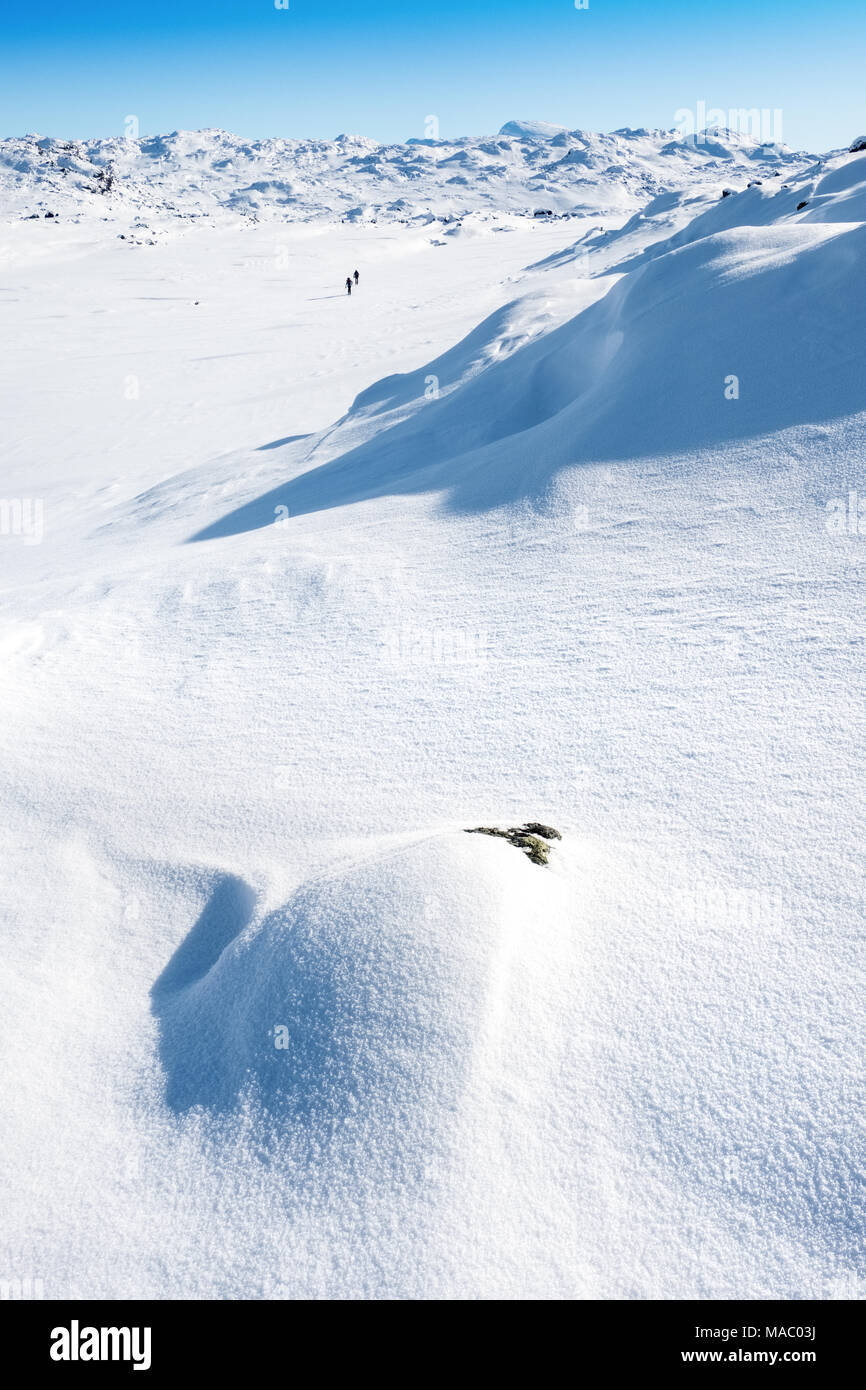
(640, 373)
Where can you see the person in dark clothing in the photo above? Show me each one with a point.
(348, 284)
(357, 277)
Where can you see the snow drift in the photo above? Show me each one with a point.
(659, 365)
(381, 978)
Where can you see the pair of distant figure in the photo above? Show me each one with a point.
(349, 279)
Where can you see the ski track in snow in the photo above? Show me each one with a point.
(325, 581)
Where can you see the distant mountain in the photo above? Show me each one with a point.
(534, 130)
(528, 166)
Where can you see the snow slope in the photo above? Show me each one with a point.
(326, 581)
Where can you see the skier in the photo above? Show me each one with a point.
(348, 284)
(357, 277)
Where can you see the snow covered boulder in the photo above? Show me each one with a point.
(857, 145)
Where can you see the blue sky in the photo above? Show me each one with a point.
(380, 68)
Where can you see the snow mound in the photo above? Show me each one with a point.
(364, 1000)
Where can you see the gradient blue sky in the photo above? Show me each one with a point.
(379, 68)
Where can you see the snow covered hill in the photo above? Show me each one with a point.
(296, 588)
(527, 167)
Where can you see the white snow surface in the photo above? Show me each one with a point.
(299, 587)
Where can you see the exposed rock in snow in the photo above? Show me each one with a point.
(530, 838)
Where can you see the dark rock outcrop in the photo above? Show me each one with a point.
(531, 838)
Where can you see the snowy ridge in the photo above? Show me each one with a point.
(518, 402)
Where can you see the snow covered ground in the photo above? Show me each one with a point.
(544, 523)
